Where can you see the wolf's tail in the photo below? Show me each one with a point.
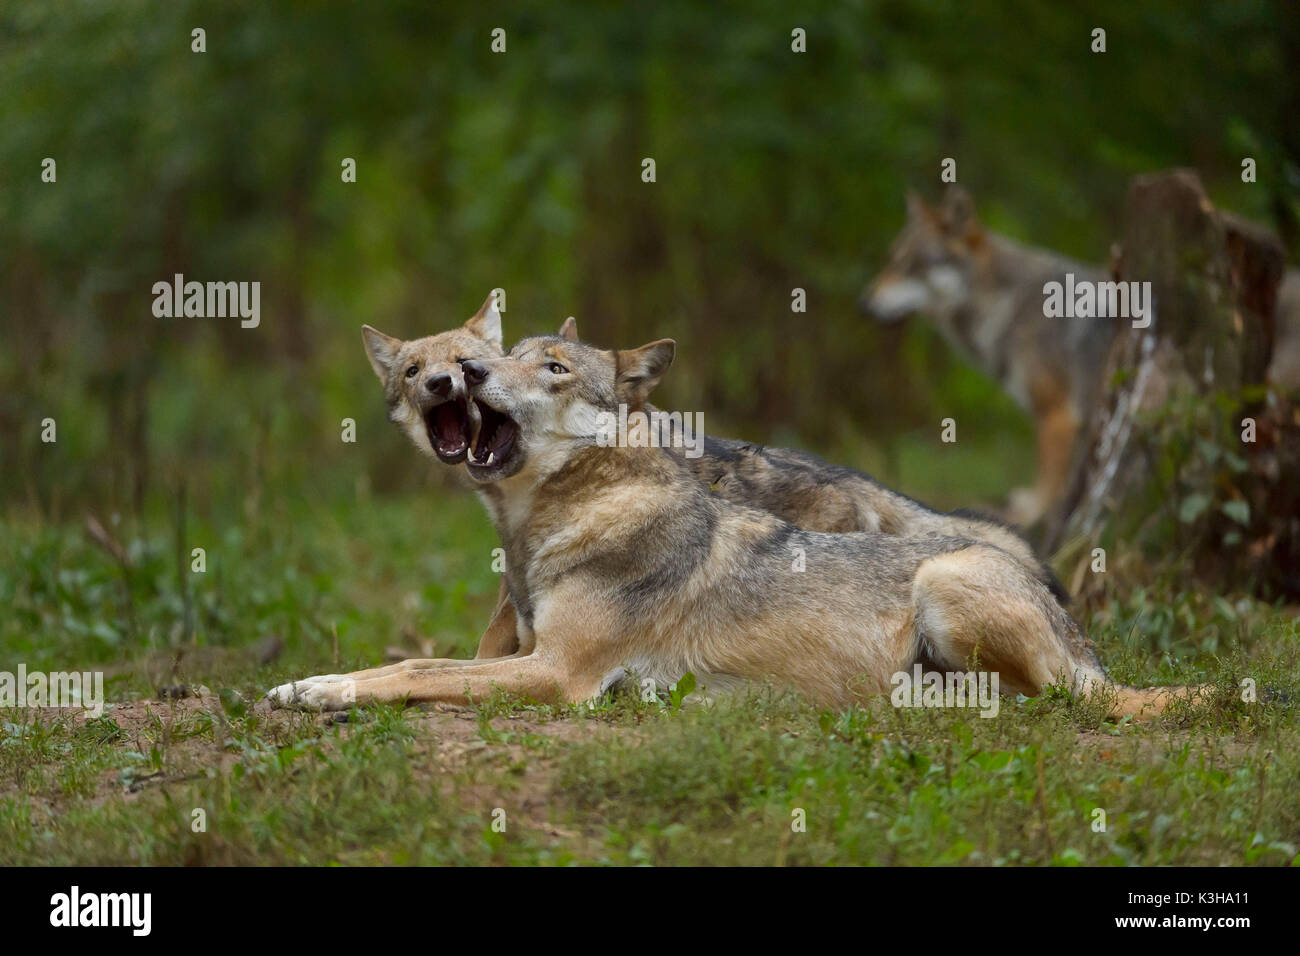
(1146, 702)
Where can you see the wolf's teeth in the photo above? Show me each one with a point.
(473, 421)
(492, 456)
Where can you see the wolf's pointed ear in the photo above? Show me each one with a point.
(958, 215)
(569, 330)
(917, 208)
(486, 323)
(381, 349)
(638, 371)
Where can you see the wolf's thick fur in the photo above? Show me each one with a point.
(813, 494)
(984, 293)
(619, 560)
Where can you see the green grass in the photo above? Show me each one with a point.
(624, 782)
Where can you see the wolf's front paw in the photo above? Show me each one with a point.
(330, 692)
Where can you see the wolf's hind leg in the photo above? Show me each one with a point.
(979, 604)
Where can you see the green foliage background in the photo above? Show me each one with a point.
(522, 170)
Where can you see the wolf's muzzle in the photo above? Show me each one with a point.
(439, 384)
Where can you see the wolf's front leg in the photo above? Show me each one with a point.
(413, 663)
(501, 637)
(453, 682)
(1057, 431)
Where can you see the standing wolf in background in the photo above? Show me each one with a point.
(427, 399)
(621, 562)
(984, 292)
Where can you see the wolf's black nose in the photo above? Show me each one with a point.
(475, 372)
(439, 384)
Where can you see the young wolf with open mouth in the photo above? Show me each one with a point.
(798, 486)
(429, 401)
(619, 560)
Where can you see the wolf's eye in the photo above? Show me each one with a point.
(556, 368)
(410, 372)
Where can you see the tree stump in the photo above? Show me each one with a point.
(1168, 463)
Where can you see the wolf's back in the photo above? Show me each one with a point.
(816, 495)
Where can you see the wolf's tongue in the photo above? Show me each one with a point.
(473, 421)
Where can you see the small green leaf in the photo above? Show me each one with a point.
(1192, 507)
(679, 691)
(1238, 511)
(957, 852)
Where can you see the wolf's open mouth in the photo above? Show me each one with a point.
(449, 430)
(495, 439)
